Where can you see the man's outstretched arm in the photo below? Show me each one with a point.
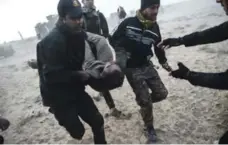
(209, 80)
(212, 35)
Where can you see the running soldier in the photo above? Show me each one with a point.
(132, 42)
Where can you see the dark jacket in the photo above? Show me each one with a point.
(60, 56)
(211, 35)
(209, 80)
(215, 34)
(133, 43)
(95, 22)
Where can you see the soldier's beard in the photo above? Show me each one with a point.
(75, 28)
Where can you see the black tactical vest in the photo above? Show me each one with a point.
(92, 22)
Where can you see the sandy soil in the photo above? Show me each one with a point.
(189, 115)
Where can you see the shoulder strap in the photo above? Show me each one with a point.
(99, 22)
(93, 48)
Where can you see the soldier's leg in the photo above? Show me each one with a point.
(143, 98)
(108, 99)
(67, 116)
(113, 110)
(90, 114)
(159, 91)
(110, 102)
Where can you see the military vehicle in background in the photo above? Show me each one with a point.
(42, 29)
(6, 50)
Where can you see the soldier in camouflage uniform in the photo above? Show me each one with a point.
(132, 42)
(94, 21)
(121, 13)
(210, 80)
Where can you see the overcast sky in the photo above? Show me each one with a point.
(22, 15)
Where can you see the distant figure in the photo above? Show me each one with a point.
(121, 14)
(93, 20)
(41, 30)
(4, 124)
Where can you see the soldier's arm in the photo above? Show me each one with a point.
(116, 40)
(160, 53)
(211, 35)
(53, 68)
(209, 80)
(104, 25)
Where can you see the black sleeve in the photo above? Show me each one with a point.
(209, 80)
(51, 64)
(211, 35)
(104, 25)
(116, 40)
(160, 53)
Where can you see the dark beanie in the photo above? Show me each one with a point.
(70, 7)
(147, 3)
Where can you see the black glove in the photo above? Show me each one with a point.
(182, 72)
(170, 42)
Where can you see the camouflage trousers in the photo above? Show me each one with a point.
(141, 80)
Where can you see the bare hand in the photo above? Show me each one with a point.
(167, 67)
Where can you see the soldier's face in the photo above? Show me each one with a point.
(224, 3)
(75, 24)
(151, 12)
(88, 3)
